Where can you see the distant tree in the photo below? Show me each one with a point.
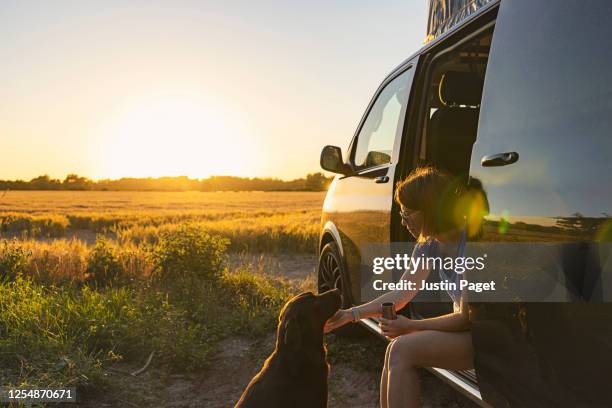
(316, 182)
(312, 182)
(76, 182)
(45, 182)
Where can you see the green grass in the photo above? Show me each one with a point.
(66, 334)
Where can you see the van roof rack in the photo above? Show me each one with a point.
(445, 14)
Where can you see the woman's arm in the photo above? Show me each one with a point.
(456, 321)
(373, 308)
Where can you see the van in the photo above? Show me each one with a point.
(518, 95)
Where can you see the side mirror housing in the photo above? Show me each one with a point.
(331, 160)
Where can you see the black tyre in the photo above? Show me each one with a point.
(331, 274)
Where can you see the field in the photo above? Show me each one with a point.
(254, 221)
(61, 227)
(93, 285)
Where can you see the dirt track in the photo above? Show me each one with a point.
(231, 370)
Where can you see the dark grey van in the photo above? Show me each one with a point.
(518, 94)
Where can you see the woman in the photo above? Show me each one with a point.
(430, 202)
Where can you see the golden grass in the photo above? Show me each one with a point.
(253, 221)
(126, 202)
(65, 260)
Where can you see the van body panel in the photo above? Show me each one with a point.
(360, 212)
(547, 97)
(359, 205)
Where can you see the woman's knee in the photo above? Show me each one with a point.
(387, 353)
(388, 350)
(401, 352)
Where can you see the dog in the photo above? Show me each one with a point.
(295, 374)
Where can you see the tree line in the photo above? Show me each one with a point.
(311, 182)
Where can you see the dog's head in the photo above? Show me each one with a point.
(302, 319)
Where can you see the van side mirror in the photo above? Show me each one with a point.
(331, 160)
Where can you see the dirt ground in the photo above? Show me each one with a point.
(353, 381)
(231, 370)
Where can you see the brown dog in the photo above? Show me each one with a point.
(295, 375)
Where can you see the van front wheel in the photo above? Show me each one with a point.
(332, 275)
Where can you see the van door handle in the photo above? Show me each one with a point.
(499, 159)
(381, 179)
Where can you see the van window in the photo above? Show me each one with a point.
(383, 124)
(454, 91)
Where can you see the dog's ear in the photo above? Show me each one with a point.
(293, 333)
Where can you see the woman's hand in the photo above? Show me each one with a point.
(397, 327)
(339, 319)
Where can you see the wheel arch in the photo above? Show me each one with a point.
(330, 233)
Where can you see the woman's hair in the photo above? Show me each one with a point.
(446, 202)
(429, 190)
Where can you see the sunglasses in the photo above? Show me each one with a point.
(408, 214)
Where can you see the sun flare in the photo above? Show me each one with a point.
(172, 135)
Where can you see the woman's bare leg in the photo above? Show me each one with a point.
(403, 384)
(384, 378)
(428, 348)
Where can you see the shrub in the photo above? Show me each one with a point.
(103, 266)
(188, 254)
(252, 302)
(13, 259)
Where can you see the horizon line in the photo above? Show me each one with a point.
(163, 177)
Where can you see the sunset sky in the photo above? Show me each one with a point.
(131, 88)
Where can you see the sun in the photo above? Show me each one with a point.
(174, 135)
